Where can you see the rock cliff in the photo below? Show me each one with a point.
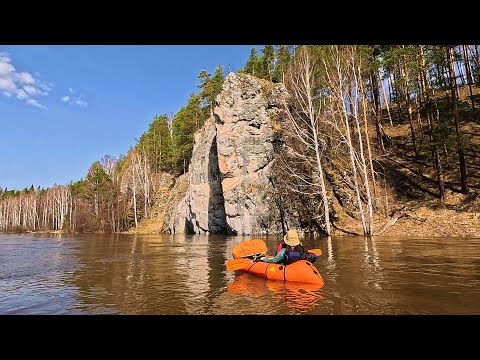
(230, 188)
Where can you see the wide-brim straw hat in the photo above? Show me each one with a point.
(291, 238)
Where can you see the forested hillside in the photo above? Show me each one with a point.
(370, 136)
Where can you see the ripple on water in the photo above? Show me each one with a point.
(103, 274)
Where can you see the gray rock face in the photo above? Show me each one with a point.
(229, 186)
(202, 209)
(245, 112)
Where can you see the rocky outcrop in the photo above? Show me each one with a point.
(245, 112)
(202, 209)
(230, 190)
(173, 214)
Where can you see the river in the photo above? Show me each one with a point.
(186, 275)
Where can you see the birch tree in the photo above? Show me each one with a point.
(304, 118)
(342, 68)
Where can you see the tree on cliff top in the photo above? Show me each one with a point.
(283, 59)
(252, 65)
(211, 87)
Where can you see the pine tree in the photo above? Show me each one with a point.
(184, 125)
(282, 62)
(252, 65)
(267, 62)
(211, 87)
(156, 141)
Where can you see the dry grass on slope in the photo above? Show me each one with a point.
(169, 191)
(415, 182)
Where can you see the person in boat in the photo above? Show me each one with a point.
(290, 247)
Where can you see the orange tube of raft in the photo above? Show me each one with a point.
(300, 271)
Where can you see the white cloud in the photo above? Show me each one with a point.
(21, 84)
(74, 100)
(5, 66)
(81, 102)
(21, 94)
(46, 87)
(25, 78)
(7, 85)
(34, 102)
(32, 90)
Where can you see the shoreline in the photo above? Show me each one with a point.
(439, 224)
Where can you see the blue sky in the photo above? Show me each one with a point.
(64, 107)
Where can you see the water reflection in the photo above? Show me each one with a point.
(330, 261)
(297, 297)
(153, 274)
(172, 274)
(372, 263)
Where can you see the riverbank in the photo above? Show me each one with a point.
(420, 221)
(457, 216)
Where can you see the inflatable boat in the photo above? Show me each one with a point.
(300, 271)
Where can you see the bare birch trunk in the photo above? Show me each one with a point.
(385, 98)
(300, 80)
(367, 135)
(364, 165)
(134, 189)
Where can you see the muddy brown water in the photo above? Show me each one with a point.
(186, 275)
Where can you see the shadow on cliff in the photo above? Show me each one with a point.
(217, 217)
